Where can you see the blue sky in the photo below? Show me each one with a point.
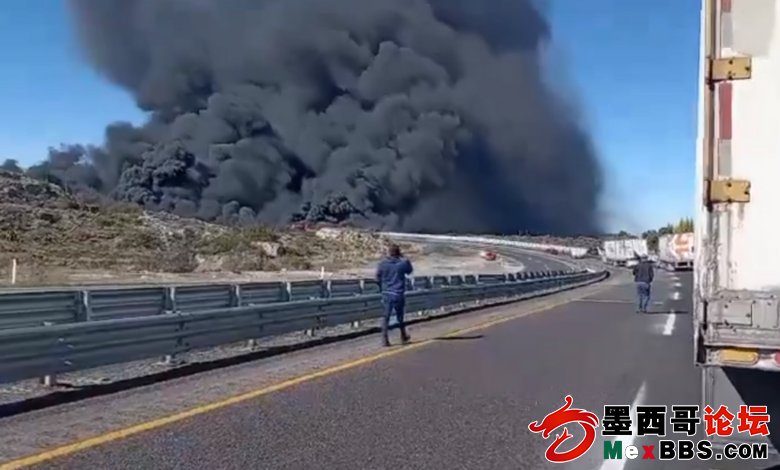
(632, 65)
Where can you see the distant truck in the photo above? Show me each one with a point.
(623, 252)
(736, 289)
(675, 252)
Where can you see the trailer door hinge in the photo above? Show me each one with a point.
(726, 191)
(730, 68)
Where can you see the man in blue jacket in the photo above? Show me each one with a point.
(643, 277)
(391, 277)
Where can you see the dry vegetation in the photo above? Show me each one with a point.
(59, 238)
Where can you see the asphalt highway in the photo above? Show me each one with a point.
(461, 403)
(534, 262)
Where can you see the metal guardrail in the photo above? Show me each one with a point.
(90, 329)
(36, 307)
(575, 252)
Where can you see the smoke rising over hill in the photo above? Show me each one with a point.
(427, 115)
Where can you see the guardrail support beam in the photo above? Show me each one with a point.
(48, 380)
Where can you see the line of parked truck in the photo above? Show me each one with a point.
(675, 252)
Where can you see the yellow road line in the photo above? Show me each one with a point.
(89, 443)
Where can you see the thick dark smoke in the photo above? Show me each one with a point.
(426, 115)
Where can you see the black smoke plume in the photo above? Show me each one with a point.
(420, 115)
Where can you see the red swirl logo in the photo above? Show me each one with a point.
(565, 415)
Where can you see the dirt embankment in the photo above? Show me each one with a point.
(58, 238)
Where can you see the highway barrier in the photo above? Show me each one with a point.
(574, 252)
(37, 307)
(45, 333)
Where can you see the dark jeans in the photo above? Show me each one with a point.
(643, 290)
(393, 303)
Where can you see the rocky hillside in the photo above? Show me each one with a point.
(54, 236)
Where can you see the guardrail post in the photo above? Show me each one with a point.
(427, 284)
(171, 308)
(288, 291)
(238, 301)
(48, 380)
(482, 297)
(84, 310)
(171, 299)
(362, 290)
(235, 295)
(325, 293)
(171, 360)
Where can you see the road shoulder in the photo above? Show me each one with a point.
(47, 429)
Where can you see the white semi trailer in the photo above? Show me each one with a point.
(623, 252)
(737, 223)
(675, 251)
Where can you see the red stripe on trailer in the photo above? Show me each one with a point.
(725, 89)
(725, 99)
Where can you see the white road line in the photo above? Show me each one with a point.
(611, 464)
(678, 284)
(676, 296)
(669, 325)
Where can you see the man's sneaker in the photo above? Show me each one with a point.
(406, 339)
